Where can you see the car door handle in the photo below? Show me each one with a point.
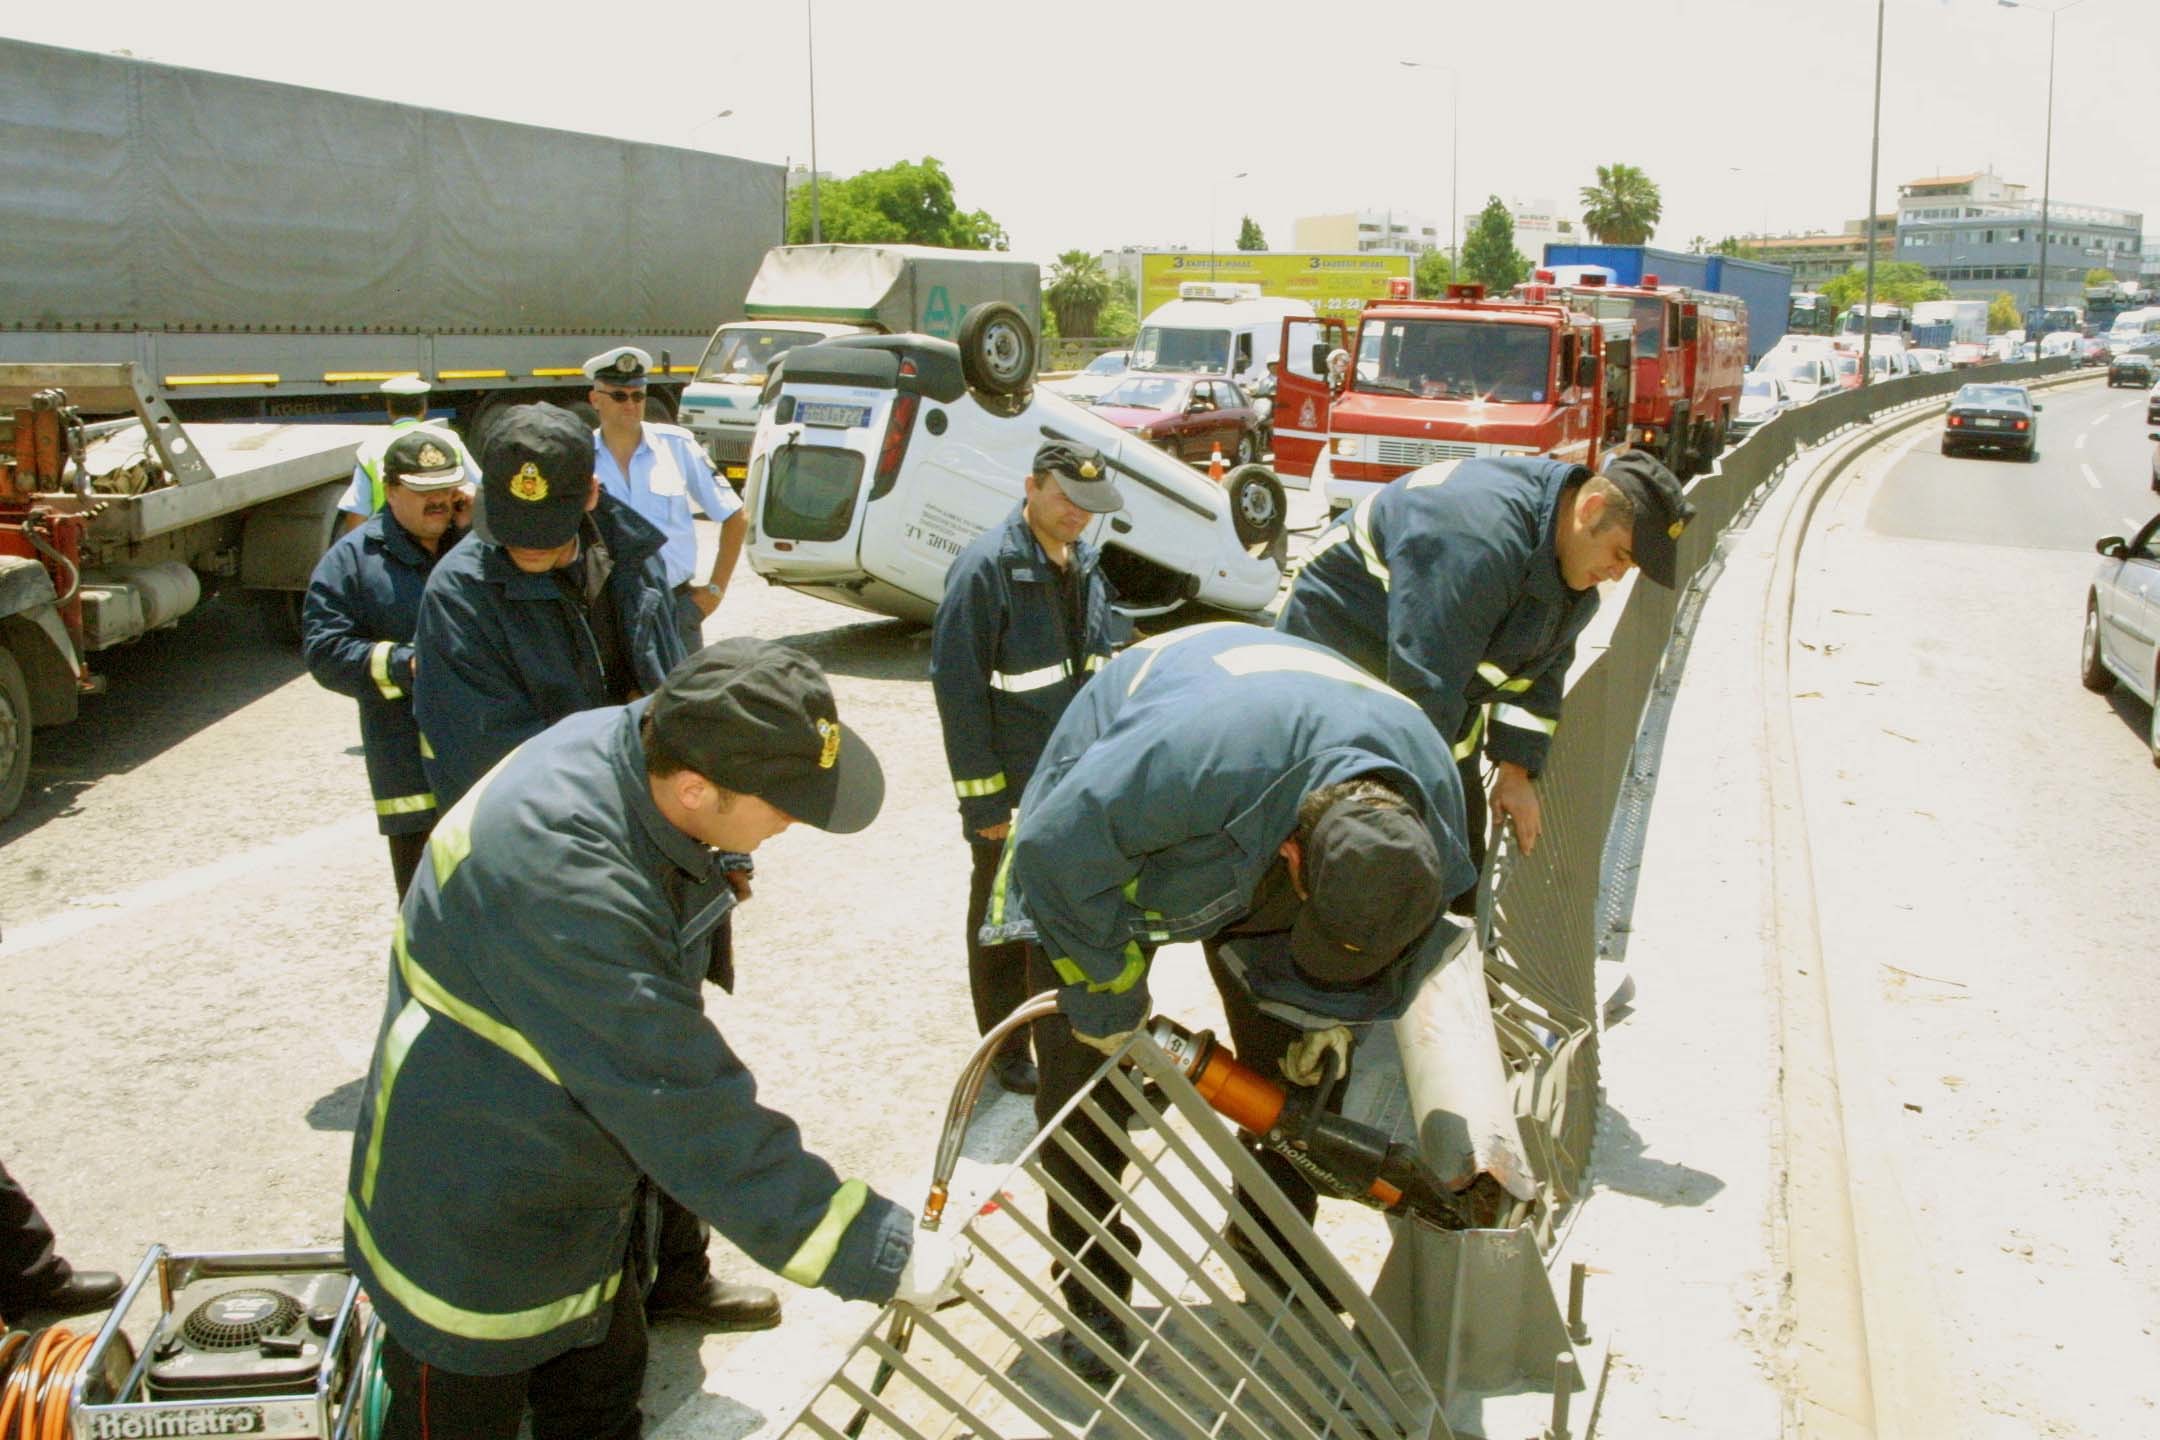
(1120, 524)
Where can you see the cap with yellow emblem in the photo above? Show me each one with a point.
(1082, 473)
(536, 473)
(758, 718)
(1661, 512)
(421, 459)
(622, 365)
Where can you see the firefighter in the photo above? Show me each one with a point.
(544, 1049)
(405, 401)
(1026, 619)
(1255, 792)
(34, 1279)
(357, 628)
(1464, 585)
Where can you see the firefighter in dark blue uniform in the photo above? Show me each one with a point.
(357, 627)
(1255, 792)
(1026, 619)
(544, 1048)
(1465, 584)
(559, 603)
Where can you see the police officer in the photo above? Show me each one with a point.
(1025, 620)
(544, 1048)
(405, 398)
(357, 627)
(1464, 586)
(1260, 794)
(657, 470)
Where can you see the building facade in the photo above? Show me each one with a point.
(1362, 230)
(1819, 257)
(1980, 235)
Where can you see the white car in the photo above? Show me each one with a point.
(1085, 386)
(1762, 399)
(2122, 621)
(1805, 376)
(1927, 360)
(878, 458)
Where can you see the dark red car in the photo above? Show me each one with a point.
(1187, 415)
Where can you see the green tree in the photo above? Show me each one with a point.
(1120, 317)
(1623, 207)
(1434, 274)
(1249, 236)
(1489, 256)
(1078, 288)
(1732, 245)
(2003, 313)
(906, 203)
(2099, 275)
(1900, 282)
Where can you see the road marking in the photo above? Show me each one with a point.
(2081, 442)
(2090, 478)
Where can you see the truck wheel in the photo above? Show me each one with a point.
(997, 349)
(14, 733)
(1256, 505)
(1677, 450)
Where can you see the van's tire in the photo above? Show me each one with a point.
(14, 733)
(997, 349)
(1257, 511)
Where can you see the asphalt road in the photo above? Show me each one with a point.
(1983, 833)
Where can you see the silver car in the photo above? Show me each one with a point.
(2122, 623)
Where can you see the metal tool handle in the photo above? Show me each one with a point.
(961, 1107)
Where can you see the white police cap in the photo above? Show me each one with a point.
(404, 385)
(621, 365)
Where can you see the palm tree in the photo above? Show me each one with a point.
(1623, 207)
(1078, 288)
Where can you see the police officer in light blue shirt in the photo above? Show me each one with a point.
(657, 470)
(405, 398)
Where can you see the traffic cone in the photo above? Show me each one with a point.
(1214, 464)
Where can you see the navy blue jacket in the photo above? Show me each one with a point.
(544, 1047)
(356, 629)
(1001, 661)
(1445, 583)
(1165, 795)
(503, 654)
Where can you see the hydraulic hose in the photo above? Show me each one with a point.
(35, 1399)
(74, 573)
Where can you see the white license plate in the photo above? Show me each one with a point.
(1983, 422)
(832, 417)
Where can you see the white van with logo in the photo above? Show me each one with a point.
(1216, 329)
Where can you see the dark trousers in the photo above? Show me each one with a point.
(997, 974)
(405, 853)
(1473, 804)
(30, 1265)
(683, 1264)
(688, 622)
(586, 1394)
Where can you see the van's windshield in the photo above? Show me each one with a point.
(1160, 347)
(1458, 360)
(745, 355)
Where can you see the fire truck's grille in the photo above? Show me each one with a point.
(1420, 452)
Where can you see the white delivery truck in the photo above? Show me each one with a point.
(1967, 320)
(806, 293)
(1216, 329)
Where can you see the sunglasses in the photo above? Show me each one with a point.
(625, 397)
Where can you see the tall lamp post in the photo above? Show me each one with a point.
(817, 226)
(2047, 156)
(1454, 217)
(691, 134)
(1874, 162)
(1214, 193)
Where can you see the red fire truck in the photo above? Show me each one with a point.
(1690, 357)
(1444, 379)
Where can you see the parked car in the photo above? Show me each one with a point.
(1964, 354)
(1187, 415)
(2132, 367)
(2122, 621)
(1992, 417)
(1762, 399)
(1804, 377)
(1095, 377)
(1847, 368)
(877, 458)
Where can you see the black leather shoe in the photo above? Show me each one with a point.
(82, 1292)
(1015, 1072)
(1075, 1352)
(719, 1305)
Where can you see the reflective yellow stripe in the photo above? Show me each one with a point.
(429, 992)
(1070, 972)
(403, 1031)
(1286, 659)
(427, 751)
(473, 1324)
(1361, 525)
(1522, 719)
(379, 668)
(1155, 644)
(452, 840)
(406, 804)
(1467, 746)
(1026, 680)
(1096, 662)
(996, 915)
(261, 377)
(969, 789)
(1499, 679)
(807, 1265)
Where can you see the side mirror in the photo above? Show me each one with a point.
(1319, 357)
(2111, 546)
(1586, 371)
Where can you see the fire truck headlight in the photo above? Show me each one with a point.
(1346, 446)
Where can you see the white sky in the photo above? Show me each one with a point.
(1108, 124)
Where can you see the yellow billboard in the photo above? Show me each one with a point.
(1332, 284)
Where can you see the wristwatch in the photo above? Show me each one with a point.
(708, 588)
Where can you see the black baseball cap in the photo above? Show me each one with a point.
(1661, 511)
(759, 719)
(420, 459)
(536, 472)
(1373, 886)
(1082, 473)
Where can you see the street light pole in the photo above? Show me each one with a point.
(1454, 151)
(690, 135)
(2047, 163)
(1214, 194)
(1867, 306)
(817, 226)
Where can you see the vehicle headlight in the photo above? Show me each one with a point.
(1145, 432)
(1346, 446)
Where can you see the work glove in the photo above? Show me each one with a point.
(1302, 1063)
(932, 1275)
(1107, 1044)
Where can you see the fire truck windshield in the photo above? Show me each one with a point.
(1457, 360)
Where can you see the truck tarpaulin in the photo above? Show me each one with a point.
(896, 288)
(1767, 289)
(131, 186)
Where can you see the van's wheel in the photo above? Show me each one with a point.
(14, 733)
(2091, 669)
(997, 349)
(1256, 506)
